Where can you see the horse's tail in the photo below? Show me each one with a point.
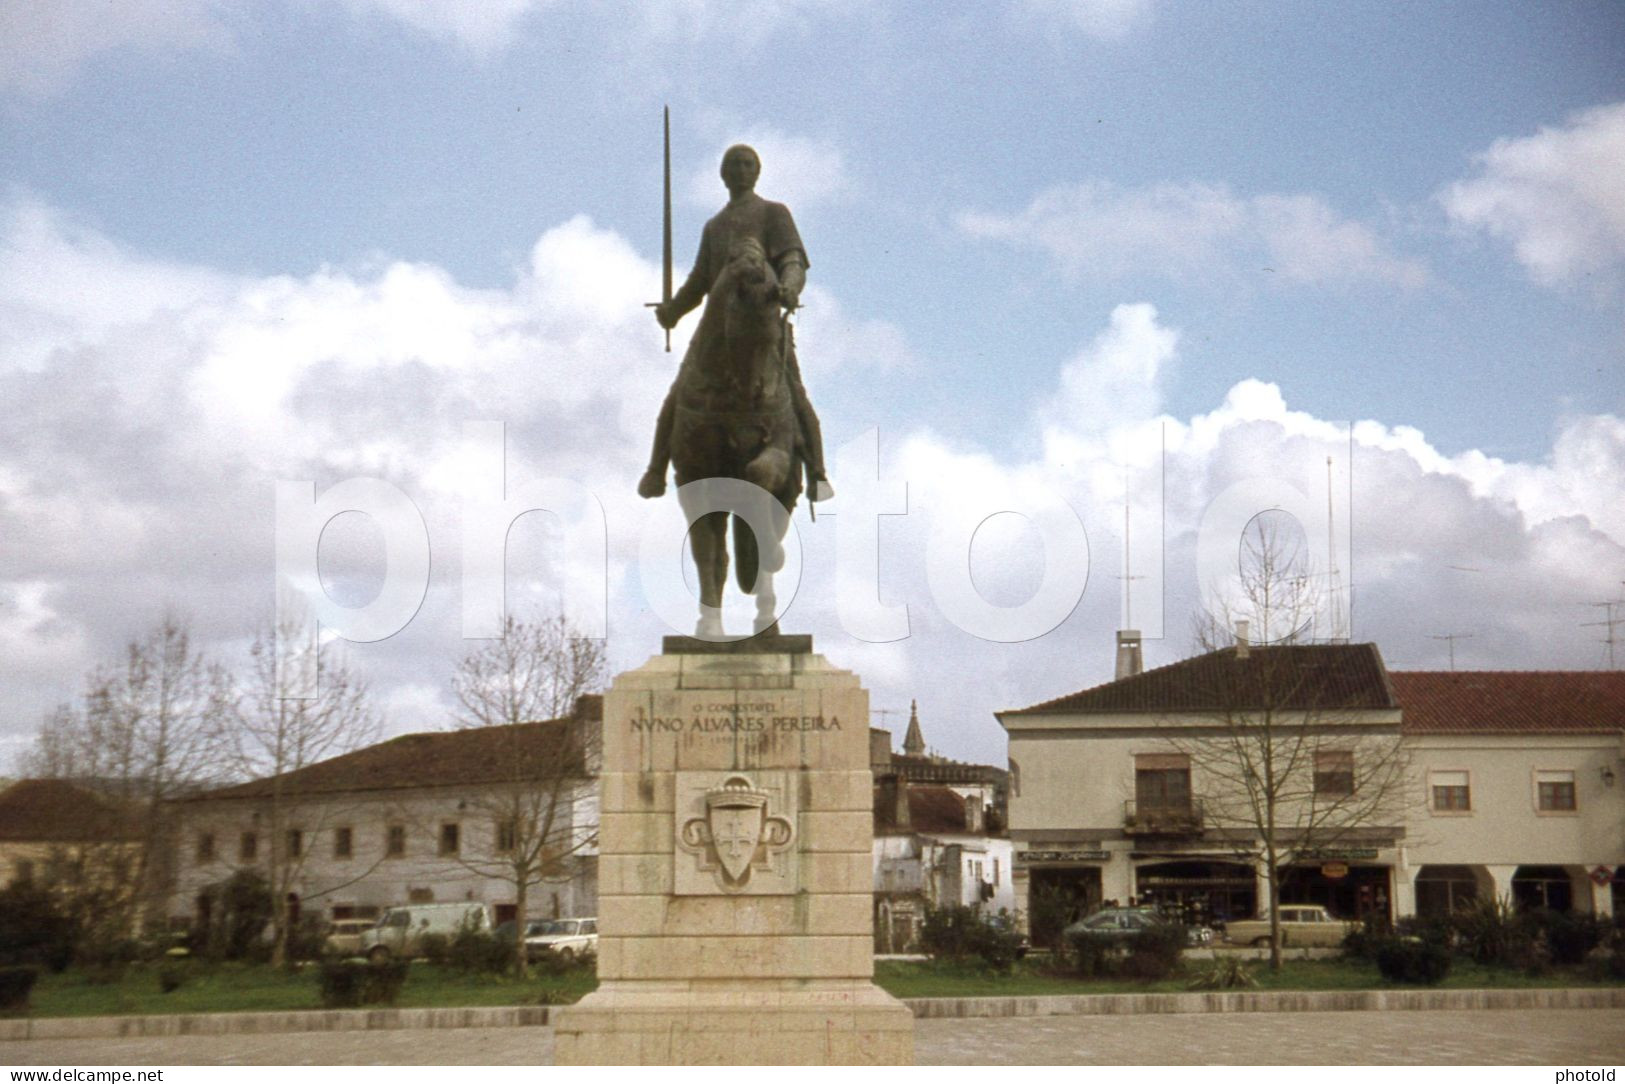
(747, 558)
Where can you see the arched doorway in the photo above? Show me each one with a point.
(1440, 890)
(1550, 887)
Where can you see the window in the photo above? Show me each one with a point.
(1449, 792)
(1554, 792)
(296, 842)
(1162, 783)
(205, 847)
(449, 841)
(1334, 773)
(248, 847)
(995, 873)
(343, 842)
(507, 836)
(395, 841)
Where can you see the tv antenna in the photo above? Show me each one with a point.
(1611, 622)
(1128, 576)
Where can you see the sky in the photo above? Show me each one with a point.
(1068, 258)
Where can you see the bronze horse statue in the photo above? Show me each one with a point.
(735, 419)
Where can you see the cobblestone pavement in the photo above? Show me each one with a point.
(1544, 1037)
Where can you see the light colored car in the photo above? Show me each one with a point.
(566, 938)
(1303, 925)
(400, 930)
(344, 935)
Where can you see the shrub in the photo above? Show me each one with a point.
(548, 962)
(1154, 953)
(960, 932)
(1571, 937)
(1492, 932)
(1226, 973)
(1049, 909)
(475, 950)
(172, 974)
(1095, 957)
(33, 930)
(307, 940)
(239, 909)
(347, 984)
(1412, 960)
(436, 948)
(16, 983)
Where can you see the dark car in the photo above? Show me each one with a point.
(1118, 924)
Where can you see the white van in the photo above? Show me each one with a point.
(400, 930)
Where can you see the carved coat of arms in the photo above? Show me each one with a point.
(738, 835)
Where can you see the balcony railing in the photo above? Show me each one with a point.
(1162, 818)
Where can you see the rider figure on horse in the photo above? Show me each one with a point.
(746, 217)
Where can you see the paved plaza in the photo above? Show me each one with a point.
(1541, 1037)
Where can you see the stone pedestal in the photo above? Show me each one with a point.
(735, 870)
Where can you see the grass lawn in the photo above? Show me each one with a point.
(245, 988)
(948, 979)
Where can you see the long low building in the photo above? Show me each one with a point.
(1390, 793)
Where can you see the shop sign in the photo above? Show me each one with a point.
(1341, 854)
(1027, 858)
(1602, 875)
(1334, 870)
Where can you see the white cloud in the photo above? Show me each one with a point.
(141, 432)
(1558, 196)
(1193, 229)
(1104, 19)
(484, 27)
(43, 43)
(799, 171)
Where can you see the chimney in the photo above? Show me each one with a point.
(1241, 639)
(1129, 662)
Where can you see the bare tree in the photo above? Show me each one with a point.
(528, 687)
(275, 736)
(145, 731)
(1290, 758)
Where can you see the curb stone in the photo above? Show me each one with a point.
(923, 1008)
(271, 1023)
(927, 1008)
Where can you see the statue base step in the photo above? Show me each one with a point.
(735, 1022)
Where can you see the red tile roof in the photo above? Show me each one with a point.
(1305, 677)
(484, 755)
(57, 811)
(1511, 701)
(931, 810)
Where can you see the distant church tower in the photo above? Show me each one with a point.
(914, 741)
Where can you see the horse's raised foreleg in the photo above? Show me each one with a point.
(707, 541)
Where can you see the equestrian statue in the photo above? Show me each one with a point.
(737, 409)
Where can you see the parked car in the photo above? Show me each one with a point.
(1303, 925)
(1124, 923)
(566, 938)
(344, 935)
(400, 930)
(504, 930)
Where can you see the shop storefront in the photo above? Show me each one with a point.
(1200, 891)
(1346, 883)
(1062, 887)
